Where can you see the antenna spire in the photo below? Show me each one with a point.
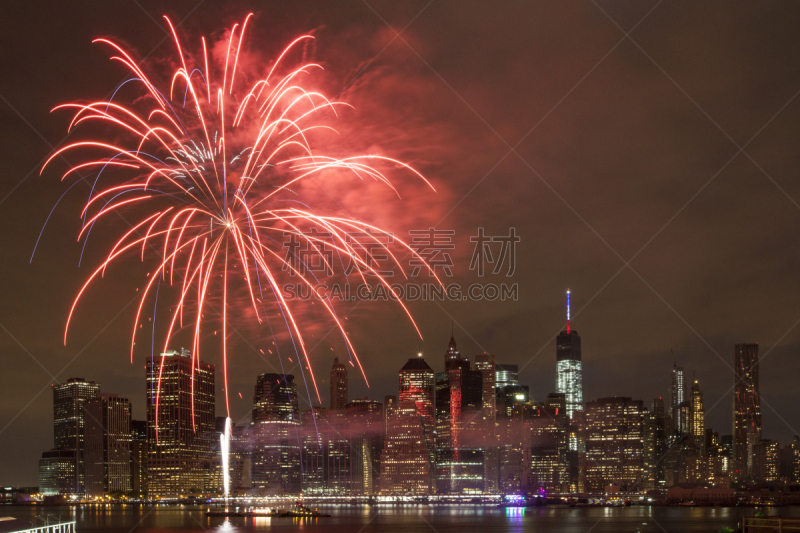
(567, 311)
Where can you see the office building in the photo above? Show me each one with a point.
(417, 385)
(549, 445)
(69, 424)
(677, 399)
(180, 423)
(138, 457)
(485, 364)
(569, 367)
(406, 466)
(275, 433)
(339, 390)
(746, 411)
(108, 439)
(697, 416)
(459, 426)
(614, 443)
(367, 431)
(506, 375)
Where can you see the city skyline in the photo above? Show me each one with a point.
(464, 441)
(621, 144)
(685, 423)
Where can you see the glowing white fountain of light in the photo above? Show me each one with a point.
(225, 448)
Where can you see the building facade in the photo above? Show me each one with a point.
(569, 366)
(275, 435)
(108, 445)
(746, 411)
(339, 386)
(69, 438)
(180, 423)
(460, 426)
(677, 399)
(614, 443)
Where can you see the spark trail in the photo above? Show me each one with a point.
(203, 170)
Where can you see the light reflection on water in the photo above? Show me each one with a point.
(406, 518)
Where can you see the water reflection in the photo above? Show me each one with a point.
(407, 518)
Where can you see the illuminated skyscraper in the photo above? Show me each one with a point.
(275, 428)
(339, 392)
(406, 466)
(367, 435)
(549, 444)
(63, 469)
(180, 423)
(677, 397)
(614, 443)
(569, 371)
(328, 454)
(485, 363)
(108, 437)
(697, 425)
(459, 426)
(417, 382)
(506, 375)
(138, 456)
(746, 411)
(389, 404)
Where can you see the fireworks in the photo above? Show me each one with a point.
(202, 169)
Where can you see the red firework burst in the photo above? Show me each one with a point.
(201, 169)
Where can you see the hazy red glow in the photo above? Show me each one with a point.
(209, 187)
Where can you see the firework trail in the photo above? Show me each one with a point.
(202, 170)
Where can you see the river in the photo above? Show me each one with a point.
(401, 519)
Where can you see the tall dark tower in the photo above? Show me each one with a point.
(339, 391)
(746, 410)
(569, 370)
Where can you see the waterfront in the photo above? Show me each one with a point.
(402, 519)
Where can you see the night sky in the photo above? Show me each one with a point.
(645, 152)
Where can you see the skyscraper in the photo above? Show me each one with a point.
(180, 422)
(677, 397)
(614, 442)
(549, 444)
(139, 456)
(406, 466)
(697, 425)
(276, 444)
(485, 363)
(339, 392)
(417, 382)
(569, 370)
(506, 376)
(367, 429)
(108, 438)
(328, 453)
(746, 411)
(69, 424)
(459, 426)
